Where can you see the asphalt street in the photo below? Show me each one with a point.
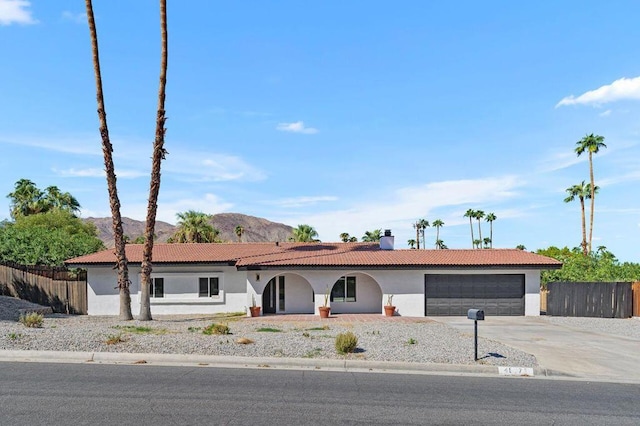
(95, 394)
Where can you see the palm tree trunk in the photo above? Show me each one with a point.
(114, 202)
(154, 188)
(491, 234)
(418, 236)
(584, 229)
(472, 239)
(593, 199)
(479, 232)
(437, 236)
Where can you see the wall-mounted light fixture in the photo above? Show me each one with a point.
(257, 277)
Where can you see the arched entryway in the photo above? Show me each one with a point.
(288, 294)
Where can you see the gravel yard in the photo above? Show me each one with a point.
(423, 341)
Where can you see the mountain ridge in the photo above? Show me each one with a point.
(256, 229)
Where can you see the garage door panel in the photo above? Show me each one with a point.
(453, 294)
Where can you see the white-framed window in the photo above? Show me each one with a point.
(157, 287)
(344, 290)
(209, 286)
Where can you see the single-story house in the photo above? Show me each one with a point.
(286, 278)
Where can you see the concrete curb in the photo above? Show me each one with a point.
(250, 362)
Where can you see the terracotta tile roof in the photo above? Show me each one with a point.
(321, 255)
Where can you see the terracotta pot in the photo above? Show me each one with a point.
(255, 311)
(324, 311)
(389, 310)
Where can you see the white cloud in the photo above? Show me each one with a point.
(297, 127)
(302, 201)
(624, 88)
(559, 161)
(605, 113)
(209, 203)
(70, 145)
(210, 167)
(98, 173)
(16, 11)
(632, 176)
(78, 18)
(401, 207)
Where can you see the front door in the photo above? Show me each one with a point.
(269, 297)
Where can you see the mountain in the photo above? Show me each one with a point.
(255, 229)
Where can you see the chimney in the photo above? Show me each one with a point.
(386, 242)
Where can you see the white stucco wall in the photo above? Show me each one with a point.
(237, 287)
(181, 285)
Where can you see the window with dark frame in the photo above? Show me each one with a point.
(157, 287)
(344, 290)
(209, 287)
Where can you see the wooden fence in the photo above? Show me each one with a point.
(592, 299)
(63, 290)
(544, 294)
(635, 288)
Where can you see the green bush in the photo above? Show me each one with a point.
(346, 342)
(216, 329)
(32, 319)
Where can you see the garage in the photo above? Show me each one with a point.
(455, 294)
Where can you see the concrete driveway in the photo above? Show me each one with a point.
(562, 349)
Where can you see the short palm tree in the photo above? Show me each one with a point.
(591, 144)
(239, 230)
(304, 234)
(194, 227)
(372, 236)
(412, 243)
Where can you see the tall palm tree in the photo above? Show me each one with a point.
(194, 227)
(470, 213)
(114, 201)
(478, 215)
(412, 243)
(424, 224)
(372, 236)
(55, 199)
(239, 230)
(25, 198)
(158, 155)
(416, 226)
(437, 224)
(490, 218)
(591, 144)
(580, 191)
(304, 234)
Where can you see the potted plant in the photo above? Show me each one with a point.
(255, 310)
(389, 309)
(325, 308)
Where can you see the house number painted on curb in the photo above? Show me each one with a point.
(515, 371)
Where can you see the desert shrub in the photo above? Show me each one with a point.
(114, 339)
(216, 328)
(32, 319)
(346, 342)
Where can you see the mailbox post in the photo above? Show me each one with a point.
(475, 315)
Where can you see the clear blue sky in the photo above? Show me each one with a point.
(348, 116)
